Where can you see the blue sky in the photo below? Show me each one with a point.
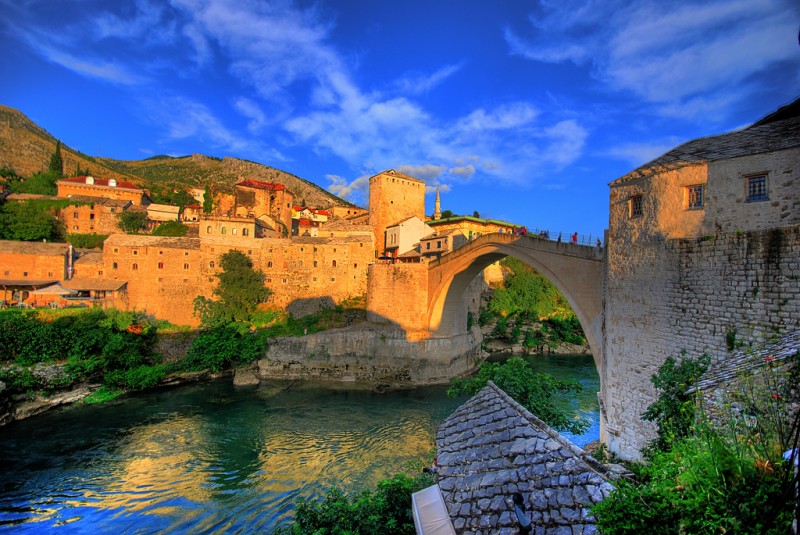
(523, 111)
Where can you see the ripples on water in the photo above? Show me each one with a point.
(209, 458)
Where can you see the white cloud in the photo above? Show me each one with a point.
(427, 172)
(667, 53)
(423, 83)
(92, 68)
(464, 171)
(356, 191)
(637, 154)
(252, 111)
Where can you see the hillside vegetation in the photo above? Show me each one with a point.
(26, 148)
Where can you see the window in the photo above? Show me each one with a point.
(269, 264)
(223, 230)
(334, 263)
(135, 252)
(91, 216)
(114, 265)
(438, 244)
(208, 229)
(694, 197)
(428, 245)
(635, 206)
(116, 250)
(24, 273)
(74, 215)
(186, 253)
(233, 231)
(245, 232)
(161, 252)
(161, 265)
(316, 263)
(185, 266)
(135, 267)
(211, 264)
(757, 188)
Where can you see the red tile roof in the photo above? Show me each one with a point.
(257, 184)
(101, 182)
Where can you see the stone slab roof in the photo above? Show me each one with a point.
(138, 240)
(94, 284)
(33, 247)
(491, 447)
(759, 138)
(103, 201)
(744, 361)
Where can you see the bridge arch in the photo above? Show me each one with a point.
(576, 270)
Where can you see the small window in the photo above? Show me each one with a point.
(161, 252)
(135, 252)
(135, 267)
(161, 265)
(116, 250)
(186, 253)
(438, 244)
(208, 229)
(233, 231)
(245, 232)
(24, 273)
(91, 216)
(211, 264)
(694, 197)
(635, 206)
(269, 264)
(7, 273)
(114, 265)
(757, 188)
(49, 273)
(334, 263)
(428, 245)
(223, 230)
(185, 266)
(74, 215)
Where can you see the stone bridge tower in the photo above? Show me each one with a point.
(393, 197)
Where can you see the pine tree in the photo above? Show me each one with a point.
(208, 200)
(56, 163)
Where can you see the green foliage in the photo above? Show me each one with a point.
(525, 291)
(137, 378)
(208, 200)
(87, 241)
(56, 162)
(224, 346)
(171, 228)
(534, 391)
(8, 173)
(43, 183)
(470, 320)
(674, 409)
(447, 214)
(567, 329)
(725, 476)
(132, 221)
(169, 195)
(28, 221)
(387, 510)
(102, 394)
(18, 380)
(240, 290)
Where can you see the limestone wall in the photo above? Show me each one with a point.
(398, 294)
(698, 295)
(373, 354)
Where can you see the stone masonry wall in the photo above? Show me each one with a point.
(692, 296)
(398, 294)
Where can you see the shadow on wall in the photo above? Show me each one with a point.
(309, 305)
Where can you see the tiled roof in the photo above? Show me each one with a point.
(94, 284)
(491, 447)
(103, 182)
(33, 247)
(257, 184)
(762, 137)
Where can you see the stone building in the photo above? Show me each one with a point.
(472, 227)
(255, 199)
(436, 244)
(404, 236)
(393, 197)
(703, 256)
(93, 215)
(109, 188)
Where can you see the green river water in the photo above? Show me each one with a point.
(214, 458)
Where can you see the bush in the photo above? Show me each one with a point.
(87, 241)
(138, 378)
(222, 347)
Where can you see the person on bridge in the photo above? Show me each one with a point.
(559, 237)
(575, 238)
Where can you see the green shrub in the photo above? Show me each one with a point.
(534, 391)
(87, 241)
(222, 347)
(18, 380)
(138, 378)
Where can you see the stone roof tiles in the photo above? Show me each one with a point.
(759, 138)
(33, 247)
(134, 240)
(491, 447)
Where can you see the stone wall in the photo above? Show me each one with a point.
(379, 355)
(32, 260)
(398, 294)
(393, 197)
(693, 296)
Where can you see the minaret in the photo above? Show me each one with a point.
(437, 207)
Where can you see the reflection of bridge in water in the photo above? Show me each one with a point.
(576, 270)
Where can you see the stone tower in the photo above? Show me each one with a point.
(437, 207)
(393, 197)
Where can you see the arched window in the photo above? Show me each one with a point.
(211, 264)
(334, 263)
(208, 229)
(269, 264)
(245, 232)
(186, 266)
(135, 267)
(223, 230)
(315, 263)
(233, 231)
(161, 265)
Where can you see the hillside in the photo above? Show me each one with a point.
(25, 148)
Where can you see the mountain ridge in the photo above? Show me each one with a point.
(26, 147)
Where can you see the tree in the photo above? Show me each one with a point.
(28, 221)
(476, 214)
(208, 200)
(171, 228)
(56, 163)
(132, 221)
(43, 183)
(534, 391)
(447, 214)
(240, 290)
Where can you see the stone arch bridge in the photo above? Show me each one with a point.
(428, 300)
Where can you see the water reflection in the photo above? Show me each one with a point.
(211, 457)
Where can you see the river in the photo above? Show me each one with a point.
(212, 457)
